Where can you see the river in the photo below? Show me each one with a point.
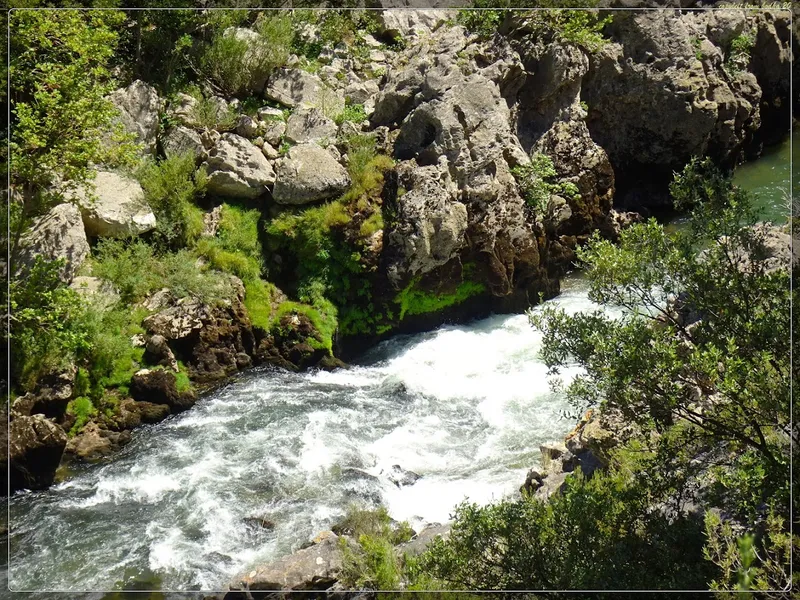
(466, 407)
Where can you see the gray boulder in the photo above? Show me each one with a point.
(318, 567)
(296, 88)
(237, 168)
(309, 125)
(99, 291)
(182, 140)
(308, 173)
(411, 23)
(139, 106)
(184, 110)
(35, 448)
(59, 234)
(113, 205)
(430, 227)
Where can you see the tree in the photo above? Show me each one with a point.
(59, 81)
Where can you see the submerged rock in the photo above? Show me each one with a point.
(401, 477)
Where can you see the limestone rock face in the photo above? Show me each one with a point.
(237, 168)
(59, 234)
(316, 568)
(309, 125)
(308, 173)
(296, 88)
(113, 205)
(182, 140)
(36, 445)
(139, 106)
(410, 23)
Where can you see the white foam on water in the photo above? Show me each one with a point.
(465, 407)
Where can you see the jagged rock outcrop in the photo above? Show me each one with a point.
(238, 169)
(308, 173)
(94, 443)
(113, 205)
(36, 445)
(214, 341)
(158, 386)
(138, 106)
(667, 88)
(59, 234)
(294, 345)
(53, 392)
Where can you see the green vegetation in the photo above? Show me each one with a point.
(538, 181)
(414, 301)
(137, 271)
(596, 534)
(238, 65)
(325, 248)
(83, 410)
(581, 28)
(236, 248)
(374, 564)
(738, 56)
(59, 78)
(171, 188)
(352, 112)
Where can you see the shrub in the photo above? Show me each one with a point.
(596, 534)
(136, 271)
(537, 182)
(483, 22)
(354, 113)
(236, 249)
(45, 320)
(239, 66)
(739, 52)
(171, 187)
(83, 410)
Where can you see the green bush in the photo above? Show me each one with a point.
(739, 52)
(483, 22)
(45, 320)
(83, 410)
(354, 113)
(236, 249)
(237, 66)
(171, 187)
(597, 534)
(537, 182)
(136, 271)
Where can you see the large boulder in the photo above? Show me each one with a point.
(296, 88)
(113, 205)
(431, 225)
(410, 23)
(36, 445)
(59, 234)
(308, 173)
(309, 125)
(93, 443)
(182, 140)
(139, 106)
(214, 341)
(318, 567)
(238, 169)
(158, 386)
(661, 92)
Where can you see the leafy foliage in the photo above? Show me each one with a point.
(136, 271)
(236, 249)
(596, 534)
(171, 188)
(414, 301)
(537, 181)
(738, 56)
(59, 78)
(239, 65)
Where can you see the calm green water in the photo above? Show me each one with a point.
(768, 178)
